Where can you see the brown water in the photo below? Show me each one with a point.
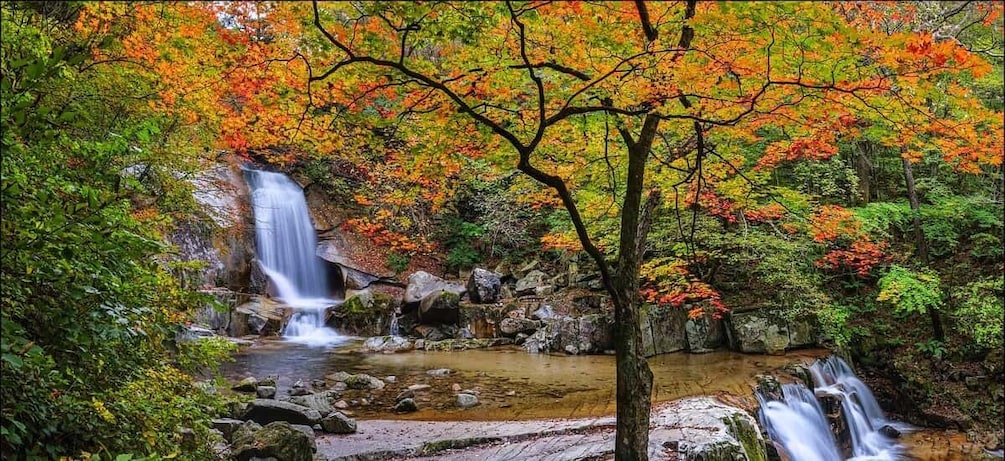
(511, 383)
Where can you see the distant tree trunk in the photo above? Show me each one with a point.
(863, 169)
(919, 240)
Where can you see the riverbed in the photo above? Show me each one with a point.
(511, 384)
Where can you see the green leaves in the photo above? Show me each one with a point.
(910, 292)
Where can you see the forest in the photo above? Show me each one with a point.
(839, 163)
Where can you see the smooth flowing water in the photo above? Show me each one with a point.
(287, 245)
(798, 425)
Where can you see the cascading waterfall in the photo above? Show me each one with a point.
(798, 425)
(287, 247)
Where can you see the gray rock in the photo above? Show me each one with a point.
(588, 334)
(430, 333)
(529, 282)
(466, 400)
(525, 269)
(702, 428)
(248, 384)
(703, 334)
(266, 392)
(299, 389)
(545, 312)
(440, 307)
(406, 406)
(262, 315)
(387, 344)
(889, 431)
(421, 284)
(510, 326)
(264, 411)
(405, 394)
(308, 431)
(321, 401)
(544, 290)
(759, 332)
(338, 376)
(663, 330)
(483, 286)
(419, 387)
(364, 381)
(277, 440)
(338, 423)
(227, 426)
(439, 372)
(802, 333)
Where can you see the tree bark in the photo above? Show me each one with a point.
(921, 246)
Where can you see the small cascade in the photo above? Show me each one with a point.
(798, 425)
(286, 244)
(393, 329)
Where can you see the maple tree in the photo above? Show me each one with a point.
(553, 80)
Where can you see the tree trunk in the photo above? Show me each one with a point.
(635, 379)
(863, 169)
(919, 240)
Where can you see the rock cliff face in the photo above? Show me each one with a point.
(224, 238)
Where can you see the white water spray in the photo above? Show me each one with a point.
(798, 425)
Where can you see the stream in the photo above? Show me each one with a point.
(512, 384)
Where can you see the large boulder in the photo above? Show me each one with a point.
(759, 332)
(364, 313)
(260, 315)
(440, 307)
(421, 284)
(702, 428)
(802, 332)
(264, 411)
(663, 330)
(530, 282)
(278, 440)
(704, 334)
(588, 334)
(483, 286)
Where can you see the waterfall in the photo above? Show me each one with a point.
(798, 425)
(393, 328)
(286, 244)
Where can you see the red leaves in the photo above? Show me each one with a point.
(861, 257)
(701, 296)
(852, 248)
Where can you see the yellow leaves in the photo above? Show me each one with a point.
(99, 408)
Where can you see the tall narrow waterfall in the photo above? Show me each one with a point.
(798, 425)
(287, 249)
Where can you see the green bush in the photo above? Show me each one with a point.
(980, 312)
